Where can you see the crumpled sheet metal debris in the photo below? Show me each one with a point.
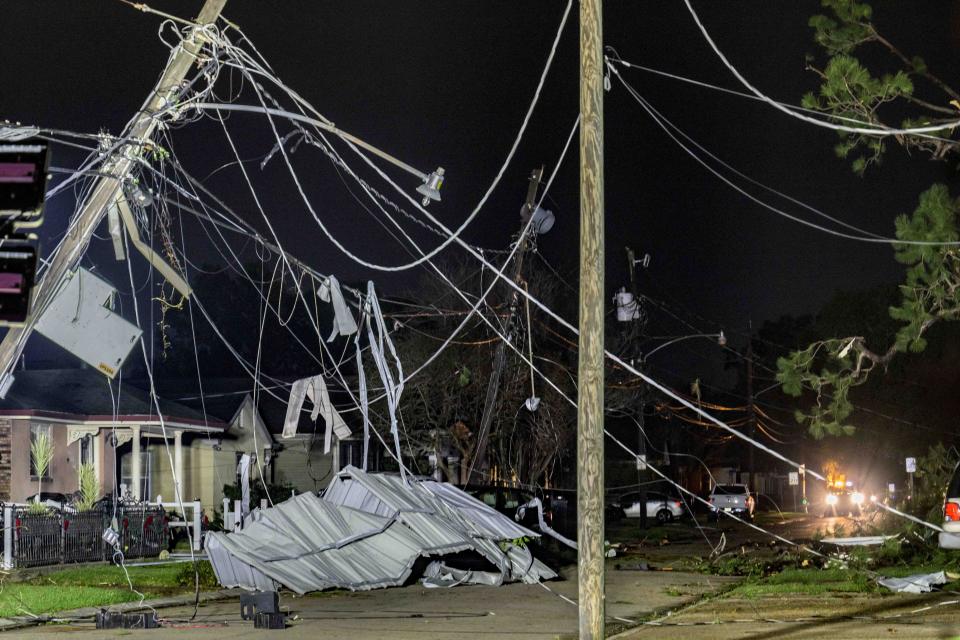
(308, 544)
(544, 527)
(919, 583)
(430, 506)
(367, 534)
(439, 576)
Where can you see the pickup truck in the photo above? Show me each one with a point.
(731, 498)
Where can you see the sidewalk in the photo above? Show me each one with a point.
(414, 612)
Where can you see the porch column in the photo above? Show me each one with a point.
(98, 456)
(178, 465)
(135, 471)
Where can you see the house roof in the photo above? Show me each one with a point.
(83, 395)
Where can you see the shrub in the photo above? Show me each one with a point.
(186, 575)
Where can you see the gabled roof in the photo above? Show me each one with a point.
(84, 395)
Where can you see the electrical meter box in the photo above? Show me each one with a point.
(81, 319)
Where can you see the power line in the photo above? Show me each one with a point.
(666, 126)
(869, 130)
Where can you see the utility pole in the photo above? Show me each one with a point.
(499, 358)
(590, 459)
(642, 474)
(751, 413)
(108, 186)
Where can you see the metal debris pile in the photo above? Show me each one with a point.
(367, 532)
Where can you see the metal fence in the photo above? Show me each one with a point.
(143, 531)
(61, 537)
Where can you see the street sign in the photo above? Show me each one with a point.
(911, 465)
(892, 488)
(794, 478)
(642, 462)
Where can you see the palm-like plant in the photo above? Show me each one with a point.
(89, 487)
(41, 450)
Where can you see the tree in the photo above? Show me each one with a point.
(830, 368)
(850, 90)
(441, 407)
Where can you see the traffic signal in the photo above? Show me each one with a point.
(23, 186)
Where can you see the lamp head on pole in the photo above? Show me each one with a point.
(543, 219)
(430, 189)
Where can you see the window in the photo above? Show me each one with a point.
(36, 430)
(351, 452)
(489, 498)
(86, 449)
(126, 473)
(731, 489)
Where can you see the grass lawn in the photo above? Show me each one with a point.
(18, 599)
(98, 585)
(163, 577)
(822, 581)
(806, 582)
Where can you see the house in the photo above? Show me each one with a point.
(115, 427)
(134, 450)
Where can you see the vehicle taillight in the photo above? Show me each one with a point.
(678, 504)
(951, 511)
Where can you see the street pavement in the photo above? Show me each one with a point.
(547, 611)
(414, 612)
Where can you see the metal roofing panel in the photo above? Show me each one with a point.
(365, 533)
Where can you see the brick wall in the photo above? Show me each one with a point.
(5, 458)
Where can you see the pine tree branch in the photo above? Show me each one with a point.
(907, 61)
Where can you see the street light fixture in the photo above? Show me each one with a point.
(430, 189)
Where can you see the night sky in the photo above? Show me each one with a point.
(448, 84)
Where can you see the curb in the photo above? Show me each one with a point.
(22, 622)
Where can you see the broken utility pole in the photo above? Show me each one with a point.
(500, 357)
(590, 416)
(108, 186)
(751, 412)
(636, 359)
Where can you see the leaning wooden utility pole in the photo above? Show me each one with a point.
(590, 484)
(499, 359)
(108, 187)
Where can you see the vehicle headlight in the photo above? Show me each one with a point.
(873, 498)
(857, 498)
(831, 499)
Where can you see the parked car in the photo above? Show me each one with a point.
(503, 499)
(659, 505)
(559, 506)
(731, 498)
(949, 538)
